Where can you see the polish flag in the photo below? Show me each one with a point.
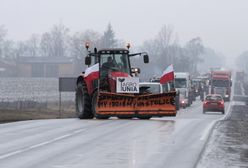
(92, 72)
(168, 75)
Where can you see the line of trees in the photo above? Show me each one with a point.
(58, 42)
(193, 57)
(163, 49)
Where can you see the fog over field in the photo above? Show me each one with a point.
(170, 29)
(221, 24)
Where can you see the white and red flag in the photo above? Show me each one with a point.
(168, 75)
(92, 72)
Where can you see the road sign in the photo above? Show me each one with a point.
(67, 84)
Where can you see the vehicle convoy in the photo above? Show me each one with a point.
(108, 88)
(220, 83)
(183, 85)
(214, 102)
(199, 85)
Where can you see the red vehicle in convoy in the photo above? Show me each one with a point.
(214, 102)
(221, 83)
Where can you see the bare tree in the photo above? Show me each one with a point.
(194, 48)
(78, 40)
(60, 37)
(108, 39)
(77, 47)
(8, 49)
(55, 43)
(33, 45)
(21, 49)
(3, 33)
(166, 38)
(46, 45)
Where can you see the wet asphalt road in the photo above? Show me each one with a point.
(71, 143)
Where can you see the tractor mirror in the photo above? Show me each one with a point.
(146, 59)
(87, 60)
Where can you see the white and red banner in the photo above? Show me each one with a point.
(168, 75)
(92, 72)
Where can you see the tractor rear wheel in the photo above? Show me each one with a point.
(83, 103)
(94, 105)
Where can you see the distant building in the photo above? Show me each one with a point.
(45, 66)
(7, 68)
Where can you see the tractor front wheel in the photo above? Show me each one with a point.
(83, 103)
(94, 107)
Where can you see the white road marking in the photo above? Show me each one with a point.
(209, 127)
(10, 154)
(40, 144)
(242, 89)
(228, 111)
(207, 130)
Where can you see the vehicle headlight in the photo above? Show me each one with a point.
(226, 95)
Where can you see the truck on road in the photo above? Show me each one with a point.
(183, 85)
(221, 83)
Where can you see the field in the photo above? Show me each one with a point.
(33, 98)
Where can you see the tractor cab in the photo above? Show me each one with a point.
(113, 64)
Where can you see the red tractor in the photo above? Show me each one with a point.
(108, 88)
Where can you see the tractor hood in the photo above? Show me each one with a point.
(114, 75)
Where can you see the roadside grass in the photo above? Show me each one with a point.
(51, 111)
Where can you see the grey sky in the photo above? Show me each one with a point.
(222, 24)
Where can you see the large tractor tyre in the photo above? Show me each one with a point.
(177, 106)
(144, 117)
(94, 105)
(177, 102)
(83, 102)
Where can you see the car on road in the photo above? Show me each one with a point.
(154, 87)
(183, 101)
(214, 102)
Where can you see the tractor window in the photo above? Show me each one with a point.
(116, 62)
